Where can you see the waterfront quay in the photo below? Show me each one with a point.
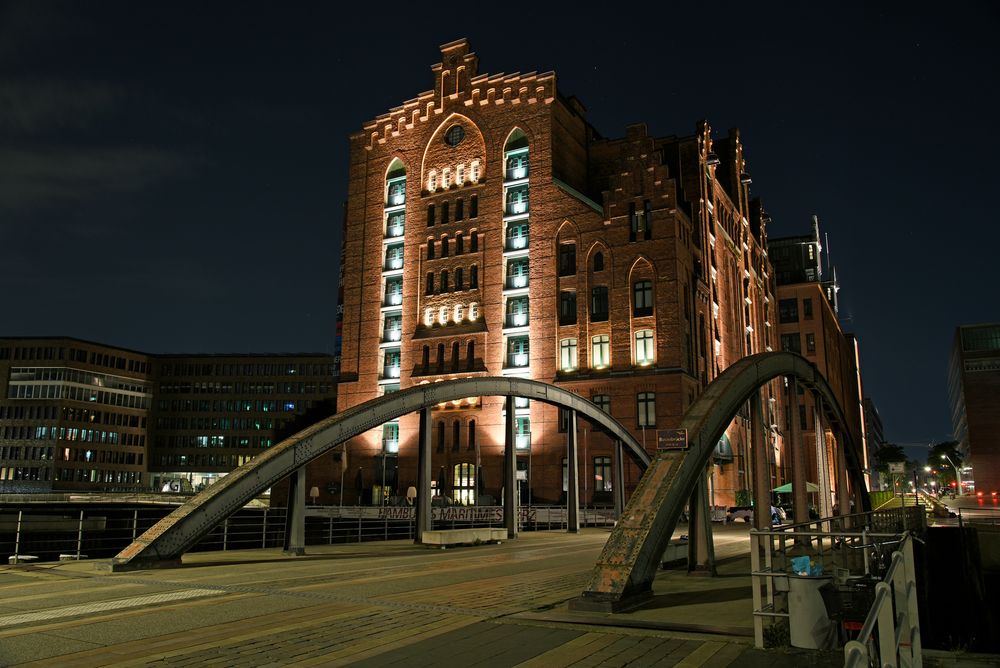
(375, 604)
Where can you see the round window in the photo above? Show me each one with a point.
(455, 134)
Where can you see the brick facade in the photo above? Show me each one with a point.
(656, 238)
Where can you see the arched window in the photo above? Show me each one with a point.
(456, 435)
(459, 242)
(395, 184)
(430, 283)
(444, 281)
(444, 246)
(474, 277)
(472, 435)
(430, 249)
(440, 357)
(459, 280)
(464, 487)
(473, 241)
(454, 356)
(598, 261)
(440, 436)
(426, 359)
(470, 355)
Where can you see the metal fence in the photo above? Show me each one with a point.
(859, 549)
(40, 533)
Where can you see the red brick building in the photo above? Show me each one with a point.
(974, 394)
(490, 230)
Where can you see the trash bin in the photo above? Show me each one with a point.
(809, 625)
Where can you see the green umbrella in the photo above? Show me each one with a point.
(787, 488)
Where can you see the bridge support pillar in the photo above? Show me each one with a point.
(701, 550)
(572, 475)
(295, 517)
(761, 468)
(618, 482)
(825, 508)
(844, 496)
(510, 472)
(800, 494)
(424, 476)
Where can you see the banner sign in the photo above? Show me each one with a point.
(671, 439)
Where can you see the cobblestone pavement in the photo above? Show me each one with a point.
(374, 604)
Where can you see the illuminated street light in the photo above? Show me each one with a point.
(958, 471)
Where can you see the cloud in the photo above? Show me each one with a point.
(36, 178)
(33, 106)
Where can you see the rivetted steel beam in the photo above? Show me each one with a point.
(168, 539)
(295, 516)
(624, 573)
(572, 478)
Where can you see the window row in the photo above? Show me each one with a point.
(452, 437)
(456, 361)
(444, 283)
(642, 303)
(254, 442)
(445, 246)
(269, 369)
(444, 178)
(567, 260)
(441, 213)
(793, 343)
(456, 314)
(112, 477)
(26, 453)
(243, 388)
(644, 351)
(788, 310)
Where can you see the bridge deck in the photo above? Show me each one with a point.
(371, 604)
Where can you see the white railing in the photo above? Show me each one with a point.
(892, 629)
(845, 548)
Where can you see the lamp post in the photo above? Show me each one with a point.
(958, 472)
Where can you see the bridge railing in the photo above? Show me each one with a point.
(855, 554)
(45, 534)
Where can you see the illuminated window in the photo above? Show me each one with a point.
(446, 177)
(600, 351)
(390, 364)
(394, 257)
(522, 433)
(517, 312)
(443, 315)
(392, 325)
(517, 273)
(517, 164)
(567, 355)
(474, 171)
(517, 236)
(432, 180)
(602, 474)
(460, 176)
(396, 190)
(645, 350)
(428, 317)
(646, 409)
(394, 224)
(390, 437)
(465, 484)
(517, 351)
(459, 313)
(517, 200)
(393, 291)
(473, 310)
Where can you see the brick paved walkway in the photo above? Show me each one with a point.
(367, 605)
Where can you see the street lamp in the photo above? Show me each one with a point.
(958, 472)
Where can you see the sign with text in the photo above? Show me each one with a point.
(897, 467)
(671, 439)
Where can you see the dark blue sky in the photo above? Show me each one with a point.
(172, 174)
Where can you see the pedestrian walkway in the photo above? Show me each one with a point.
(375, 604)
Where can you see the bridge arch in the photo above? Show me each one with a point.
(169, 538)
(623, 575)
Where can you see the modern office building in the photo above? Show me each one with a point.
(974, 394)
(77, 415)
(808, 325)
(491, 230)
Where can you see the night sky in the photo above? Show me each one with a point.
(172, 174)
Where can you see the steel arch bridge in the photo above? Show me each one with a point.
(166, 541)
(624, 572)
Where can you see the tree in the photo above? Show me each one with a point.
(887, 454)
(944, 457)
